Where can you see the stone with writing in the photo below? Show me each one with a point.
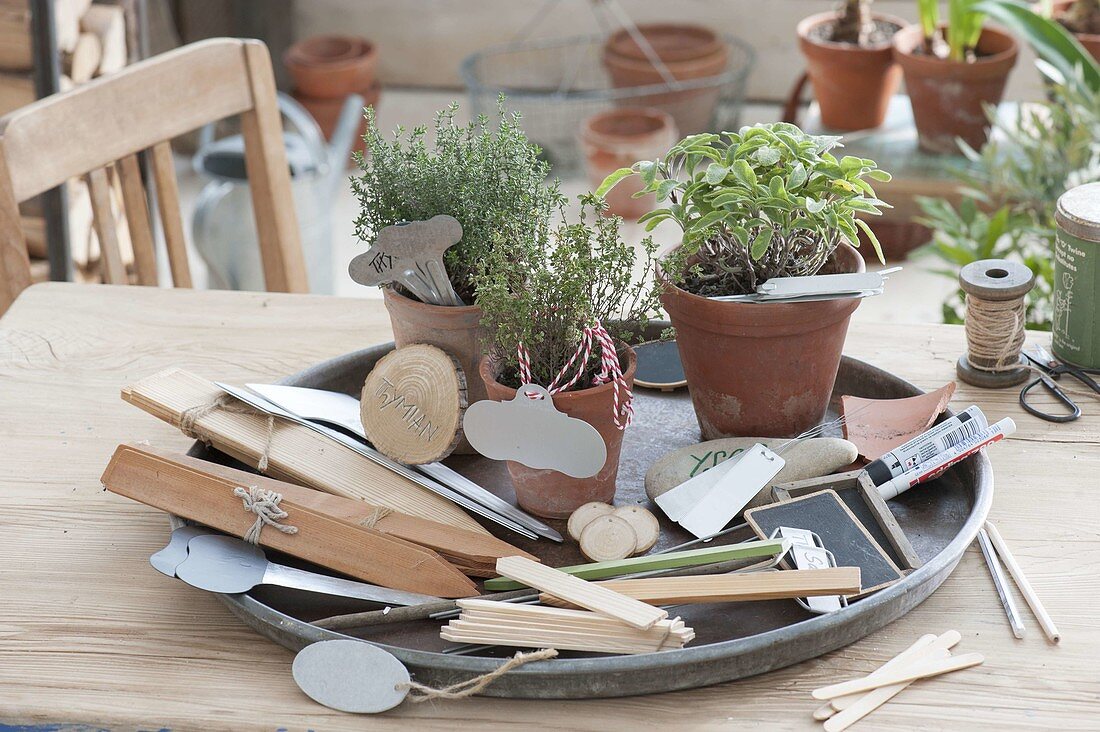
(811, 458)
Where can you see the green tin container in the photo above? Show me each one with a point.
(1077, 277)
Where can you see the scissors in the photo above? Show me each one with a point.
(1050, 370)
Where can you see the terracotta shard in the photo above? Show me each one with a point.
(877, 426)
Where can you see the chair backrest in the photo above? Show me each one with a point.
(107, 123)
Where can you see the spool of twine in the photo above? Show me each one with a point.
(996, 322)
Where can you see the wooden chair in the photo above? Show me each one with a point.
(107, 123)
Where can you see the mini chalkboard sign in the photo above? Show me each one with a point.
(412, 404)
(659, 366)
(840, 531)
(861, 497)
(530, 430)
(412, 254)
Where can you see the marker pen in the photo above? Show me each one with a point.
(936, 467)
(948, 434)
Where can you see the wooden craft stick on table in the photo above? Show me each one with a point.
(579, 592)
(732, 587)
(909, 673)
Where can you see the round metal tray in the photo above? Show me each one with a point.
(733, 640)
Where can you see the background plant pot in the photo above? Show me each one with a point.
(761, 369)
(1091, 41)
(331, 66)
(457, 330)
(689, 52)
(852, 84)
(948, 96)
(551, 494)
(327, 112)
(617, 139)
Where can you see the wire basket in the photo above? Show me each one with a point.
(557, 84)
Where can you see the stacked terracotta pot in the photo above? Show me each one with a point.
(687, 52)
(617, 139)
(326, 70)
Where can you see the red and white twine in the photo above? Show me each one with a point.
(610, 371)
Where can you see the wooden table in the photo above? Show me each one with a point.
(90, 634)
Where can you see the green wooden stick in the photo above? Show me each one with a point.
(673, 560)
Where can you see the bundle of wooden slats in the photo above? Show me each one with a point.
(534, 626)
(294, 453)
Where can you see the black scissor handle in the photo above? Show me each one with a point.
(1053, 388)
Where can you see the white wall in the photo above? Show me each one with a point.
(422, 42)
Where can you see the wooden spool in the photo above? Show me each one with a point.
(412, 404)
(994, 280)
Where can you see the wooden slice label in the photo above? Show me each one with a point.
(412, 404)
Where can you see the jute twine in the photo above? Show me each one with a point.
(265, 504)
(421, 693)
(190, 417)
(995, 333)
(379, 513)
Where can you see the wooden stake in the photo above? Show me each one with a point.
(295, 453)
(577, 591)
(357, 551)
(733, 587)
(911, 673)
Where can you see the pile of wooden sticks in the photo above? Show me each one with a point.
(850, 701)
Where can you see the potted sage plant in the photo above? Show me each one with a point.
(850, 62)
(489, 177)
(765, 201)
(560, 308)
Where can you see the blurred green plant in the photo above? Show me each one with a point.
(960, 33)
(1011, 188)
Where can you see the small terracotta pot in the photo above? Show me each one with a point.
(619, 138)
(764, 370)
(327, 112)
(457, 330)
(1091, 41)
(548, 493)
(326, 67)
(689, 53)
(948, 97)
(852, 84)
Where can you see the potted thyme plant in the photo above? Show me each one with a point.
(489, 177)
(547, 302)
(765, 201)
(952, 72)
(850, 62)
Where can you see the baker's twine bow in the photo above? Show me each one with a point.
(610, 371)
(265, 504)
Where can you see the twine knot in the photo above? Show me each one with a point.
(421, 693)
(265, 504)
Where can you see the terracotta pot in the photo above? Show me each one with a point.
(551, 494)
(948, 97)
(1091, 41)
(692, 53)
(619, 138)
(457, 330)
(327, 112)
(764, 370)
(852, 84)
(326, 67)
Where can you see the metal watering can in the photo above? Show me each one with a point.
(223, 227)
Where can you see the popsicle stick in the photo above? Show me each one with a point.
(910, 673)
(945, 642)
(1026, 589)
(353, 550)
(830, 708)
(733, 587)
(295, 453)
(655, 562)
(579, 592)
(469, 550)
(861, 706)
